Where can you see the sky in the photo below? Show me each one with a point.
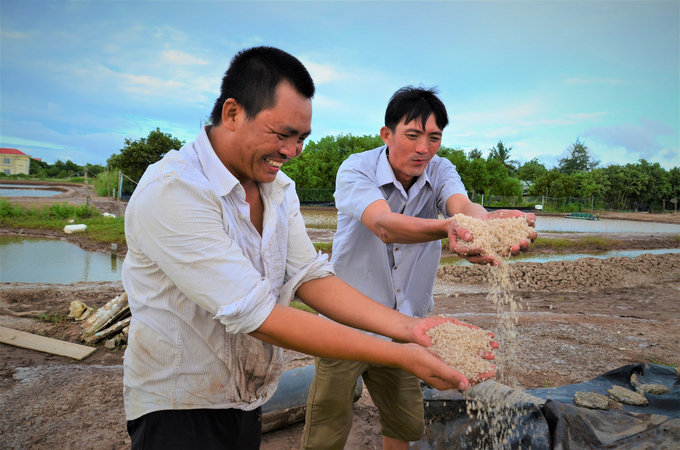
(78, 78)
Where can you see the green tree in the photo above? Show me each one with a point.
(543, 184)
(474, 154)
(137, 155)
(594, 184)
(457, 158)
(627, 183)
(500, 183)
(37, 167)
(317, 166)
(531, 170)
(476, 177)
(674, 180)
(502, 153)
(579, 159)
(565, 185)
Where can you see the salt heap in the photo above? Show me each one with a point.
(494, 237)
(462, 348)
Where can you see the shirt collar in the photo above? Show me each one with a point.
(224, 181)
(385, 174)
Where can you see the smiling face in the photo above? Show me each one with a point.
(259, 146)
(411, 148)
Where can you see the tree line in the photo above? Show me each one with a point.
(640, 185)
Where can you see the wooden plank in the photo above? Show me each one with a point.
(44, 344)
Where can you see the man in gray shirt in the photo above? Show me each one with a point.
(388, 247)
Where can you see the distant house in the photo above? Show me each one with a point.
(13, 161)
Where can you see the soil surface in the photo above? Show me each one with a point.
(579, 320)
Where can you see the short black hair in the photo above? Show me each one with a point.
(253, 77)
(412, 103)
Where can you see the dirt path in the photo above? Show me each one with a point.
(579, 320)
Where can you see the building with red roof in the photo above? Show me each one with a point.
(13, 161)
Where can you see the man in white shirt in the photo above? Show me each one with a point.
(217, 248)
(388, 247)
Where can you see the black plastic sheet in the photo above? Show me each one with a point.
(559, 423)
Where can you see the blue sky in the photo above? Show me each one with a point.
(77, 78)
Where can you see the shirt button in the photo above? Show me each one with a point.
(396, 249)
(398, 290)
(242, 217)
(395, 267)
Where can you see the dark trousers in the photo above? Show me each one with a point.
(204, 429)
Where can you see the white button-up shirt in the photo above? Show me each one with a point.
(400, 276)
(199, 277)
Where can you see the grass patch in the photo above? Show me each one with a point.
(56, 216)
(598, 242)
(53, 318)
(660, 363)
(106, 229)
(556, 243)
(302, 307)
(677, 238)
(325, 247)
(586, 242)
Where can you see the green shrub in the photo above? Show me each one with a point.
(326, 247)
(8, 209)
(301, 306)
(106, 187)
(67, 211)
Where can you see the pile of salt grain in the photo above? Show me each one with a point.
(494, 237)
(462, 348)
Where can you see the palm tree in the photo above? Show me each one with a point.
(502, 154)
(474, 154)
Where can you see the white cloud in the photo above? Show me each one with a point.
(581, 117)
(501, 132)
(639, 141)
(8, 141)
(177, 57)
(14, 35)
(595, 80)
(323, 73)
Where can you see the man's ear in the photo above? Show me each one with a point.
(386, 135)
(231, 112)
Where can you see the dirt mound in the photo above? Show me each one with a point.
(47, 420)
(580, 275)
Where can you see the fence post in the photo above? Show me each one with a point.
(87, 187)
(120, 192)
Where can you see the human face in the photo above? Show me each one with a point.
(271, 138)
(411, 148)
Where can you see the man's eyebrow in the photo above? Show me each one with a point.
(290, 130)
(420, 130)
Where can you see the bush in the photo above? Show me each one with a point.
(66, 211)
(106, 187)
(8, 209)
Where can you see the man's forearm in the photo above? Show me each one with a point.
(307, 333)
(460, 204)
(336, 299)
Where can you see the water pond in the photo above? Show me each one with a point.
(325, 219)
(25, 191)
(36, 260)
(454, 260)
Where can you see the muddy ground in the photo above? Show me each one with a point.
(579, 320)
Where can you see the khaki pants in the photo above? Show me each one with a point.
(396, 393)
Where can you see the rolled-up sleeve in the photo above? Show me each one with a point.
(182, 231)
(448, 182)
(355, 188)
(303, 263)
